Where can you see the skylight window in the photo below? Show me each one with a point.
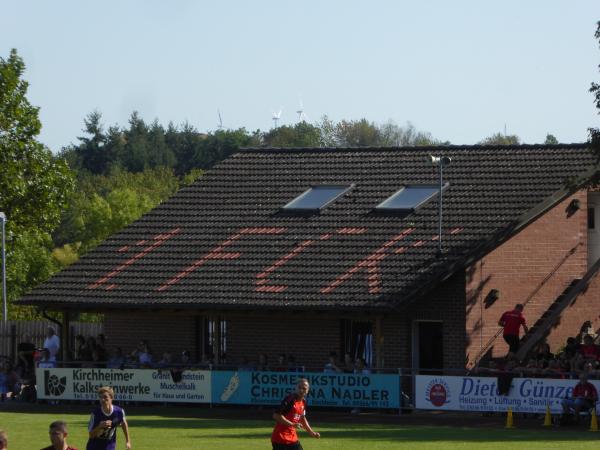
(410, 198)
(316, 198)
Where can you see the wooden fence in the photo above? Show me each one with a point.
(14, 331)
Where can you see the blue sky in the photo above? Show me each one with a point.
(461, 70)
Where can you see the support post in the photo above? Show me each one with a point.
(4, 297)
(65, 341)
(401, 399)
(441, 167)
(379, 343)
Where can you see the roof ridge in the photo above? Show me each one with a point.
(420, 148)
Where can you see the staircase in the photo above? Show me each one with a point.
(484, 351)
(541, 328)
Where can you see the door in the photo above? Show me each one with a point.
(428, 347)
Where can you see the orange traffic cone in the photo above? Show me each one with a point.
(509, 419)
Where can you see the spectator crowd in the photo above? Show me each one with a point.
(579, 355)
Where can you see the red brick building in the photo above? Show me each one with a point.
(232, 266)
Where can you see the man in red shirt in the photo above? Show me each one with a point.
(58, 437)
(584, 397)
(512, 322)
(291, 415)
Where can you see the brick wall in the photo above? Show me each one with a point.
(586, 307)
(309, 337)
(535, 266)
(165, 331)
(445, 303)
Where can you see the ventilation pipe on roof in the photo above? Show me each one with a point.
(440, 161)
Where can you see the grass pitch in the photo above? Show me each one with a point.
(192, 428)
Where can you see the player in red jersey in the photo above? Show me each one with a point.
(512, 321)
(291, 415)
(58, 437)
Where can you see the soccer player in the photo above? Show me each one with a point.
(58, 437)
(291, 415)
(104, 422)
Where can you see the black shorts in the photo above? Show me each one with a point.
(513, 342)
(294, 446)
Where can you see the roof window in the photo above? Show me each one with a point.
(316, 198)
(410, 198)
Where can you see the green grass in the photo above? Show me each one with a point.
(194, 428)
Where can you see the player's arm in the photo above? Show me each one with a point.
(308, 429)
(501, 321)
(525, 328)
(125, 429)
(95, 431)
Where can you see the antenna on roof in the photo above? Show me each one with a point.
(276, 117)
(300, 112)
(220, 124)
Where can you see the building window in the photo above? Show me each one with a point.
(214, 340)
(316, 198)
(357, 340)
(591, 218)
(410, 198)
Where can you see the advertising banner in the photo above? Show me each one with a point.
(191, 386)
(528, 395)
(326, 389)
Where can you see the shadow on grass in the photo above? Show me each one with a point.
(198, 423)
(437, 434)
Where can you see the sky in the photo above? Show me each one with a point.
(461, 70)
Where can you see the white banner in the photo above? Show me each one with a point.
(191, 386)
(530, 395)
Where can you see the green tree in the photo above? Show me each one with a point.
(34, 185)
(551, 140)
(302, 134)
(391, 134)
(501, 139)
(594, 133)
(102, 205)
(185, 143)
(93, 151)
(219, 145)
(136, 145)
(356, 133)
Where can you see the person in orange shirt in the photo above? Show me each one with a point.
(291, 415)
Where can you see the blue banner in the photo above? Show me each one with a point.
(326, 389)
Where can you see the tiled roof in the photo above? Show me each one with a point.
(223, 242)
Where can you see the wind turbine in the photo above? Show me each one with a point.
(276, 117)
(220, 125)
(300, 112)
